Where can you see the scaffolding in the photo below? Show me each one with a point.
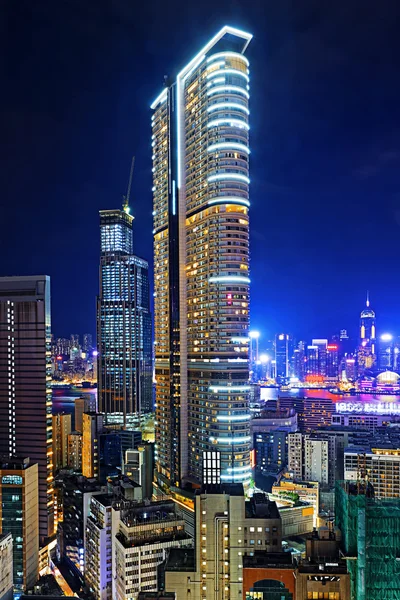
(370, 530)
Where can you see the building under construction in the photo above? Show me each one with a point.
(370, 530)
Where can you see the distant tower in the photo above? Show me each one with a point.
(367, 340)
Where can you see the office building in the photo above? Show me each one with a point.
(6, 566)
(92, 428)
(61, 431)
(381, 467)
(370, 541)
(87, 403)
(124, 334)
(19, 494)
(201, 263)
(227, 528)
(282, 356)
(367, 350)
(130, 439)
(266, 421)
(25, 376)
(146, 531)
(75, 494)
(332, 362)
(270, 451)
(87, 345)
(386, 352)
(312, 366)
(321, 346)
(75, 450)
(98, 546)
(299, 359)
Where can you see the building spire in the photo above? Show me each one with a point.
(367, 302)
(125, 204)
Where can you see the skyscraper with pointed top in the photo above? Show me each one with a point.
(367, 339)
(123, 320)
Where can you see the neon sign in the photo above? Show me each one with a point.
(380, 408)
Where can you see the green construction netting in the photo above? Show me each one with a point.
(371, 541)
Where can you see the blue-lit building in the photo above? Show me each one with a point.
(123, 321)
(270, 451)
(282, 356)
(386, 352)
(367, 350)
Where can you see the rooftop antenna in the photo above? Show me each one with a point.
(125, 204)
(367, 298)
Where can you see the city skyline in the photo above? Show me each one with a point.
(320, 138)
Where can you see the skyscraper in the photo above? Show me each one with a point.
(25, 374)
(282, 356)
(367, 342)
(201, 262)
(123, 320)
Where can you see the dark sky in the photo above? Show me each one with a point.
(77, 78)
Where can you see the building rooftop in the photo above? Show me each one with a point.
(323, 568)
(259, 506)
(103, 499)
(181, 559)
(230, 489)
(269, 560)
(14, 463)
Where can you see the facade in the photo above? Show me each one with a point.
(332, 362)
(380, 466)
(270, 451)
(145, 534)
(25, 374)
(138, 466)
(61, 431)
(92, 429)
(299, 359)
(367, 349)
(98, 546)
(386, 352)
(123, 321)
(370, 529)
(75, 494)
(282, 356)
(227, 528)
(87, 403)
(312, 366)
(201, 264)
(312, 457)
(6, 566)
(75, 450)
(19, 515)
(322, 346)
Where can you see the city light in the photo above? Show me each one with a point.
(254, 335)
(386, 337)
(264, 358)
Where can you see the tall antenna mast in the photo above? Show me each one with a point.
(125, 204)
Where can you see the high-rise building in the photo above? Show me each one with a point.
(98, 546)
(380, 466)
(201, 263)
(332, 361)
(386, 352)
(61, 431)
(138, 466)
(312, 457)
(370, 540)
(75, 440)
(321, 345)
(299, 361)
(19, 515)
(312, 366)
(92, 428)
(227, 528)
(123, 321)
(367, 342)
(282, 356)
(87, 403)
(87, 342)
(146, 532)
(6, 566)
(25, 377)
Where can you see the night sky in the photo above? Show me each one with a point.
(77, 78)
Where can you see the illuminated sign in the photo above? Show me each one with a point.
(332, 347)
(12, 479)
(380, 408)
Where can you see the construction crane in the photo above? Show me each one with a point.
(125, 204)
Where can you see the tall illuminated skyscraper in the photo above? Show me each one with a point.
(367, 343)
(25, 379)
(201, 261)
(123, 320)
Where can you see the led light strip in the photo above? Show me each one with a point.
(242, 476)
(228, 146)
(227, 389)
(228, 176)
(229, 279)
(229, 200)
(231, 122)
(229, 419)
(220, 89)
(222, 105)
(231, 440)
